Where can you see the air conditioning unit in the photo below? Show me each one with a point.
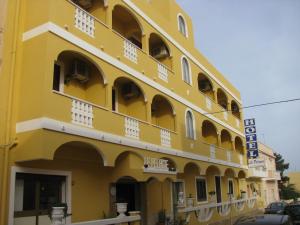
(204, 86)
(160, 52)
(130, 90)
(86, 4)
(79, 71)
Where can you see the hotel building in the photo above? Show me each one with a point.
(109, 101)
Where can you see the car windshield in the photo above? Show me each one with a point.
(277, 205)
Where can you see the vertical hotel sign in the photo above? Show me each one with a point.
(251, 138)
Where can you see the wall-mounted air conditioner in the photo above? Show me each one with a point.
(79, 71)
(160, 52)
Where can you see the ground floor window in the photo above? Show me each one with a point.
(35, 193)
(201, 189)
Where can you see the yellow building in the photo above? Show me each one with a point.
(263, 177)
(109, 101)
(295, 179)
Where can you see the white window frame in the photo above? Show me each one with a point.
(228, 181)
(190, 82)
(186, 34)
(16, 169)
(201, 178)
(186, 124)
(61, 76)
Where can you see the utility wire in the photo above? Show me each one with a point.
(257, 105)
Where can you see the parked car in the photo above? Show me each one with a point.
(293, 210)
(265, 219)
(275, 208)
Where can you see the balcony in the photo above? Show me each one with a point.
(273, 175)
(257, 173)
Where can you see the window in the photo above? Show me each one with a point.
(230, 187)
(58, 77)
(182, 26)
(178, 193)
(185, 70)
(201, 189)
(36, 193)
(189, 122)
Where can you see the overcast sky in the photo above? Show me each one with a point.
(256, 45)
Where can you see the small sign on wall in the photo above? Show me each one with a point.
(251, 138)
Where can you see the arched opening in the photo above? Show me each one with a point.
(222, 99)
(214, 183)
(192, 168)
(238, 143)
(159, 50)
(128, 98)
(171, 164)
(162, 113)
(125, 23)
(97, 8)
(76, 75)
(205, 85)
(226, 140)
(209, 132)
(79, 151)
(182, 25)
(235, 109)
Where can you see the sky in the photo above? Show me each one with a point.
(256, 45)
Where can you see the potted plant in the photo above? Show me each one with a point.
(190, 201)
(161, 217)
(243, 194)
(212, 196)
(121, 207)
(57, 212)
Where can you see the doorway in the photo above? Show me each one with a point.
(34, 195)
(218, 189)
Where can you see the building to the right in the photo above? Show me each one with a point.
(295, 179)
(263, 177)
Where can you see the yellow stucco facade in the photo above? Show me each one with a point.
(109, 101)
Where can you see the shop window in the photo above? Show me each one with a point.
(201, 189)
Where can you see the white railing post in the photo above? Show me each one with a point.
(212, 149)
(165, 138)
(132, 129)
(162, 72)
(84, 22)
(130, 51)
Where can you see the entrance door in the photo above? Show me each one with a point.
(218, 189)
(34, 195)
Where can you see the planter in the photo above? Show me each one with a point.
(57, 215)
(244, 195)
(190, 202)
(121, 209)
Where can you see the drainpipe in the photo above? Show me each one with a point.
(8, 117)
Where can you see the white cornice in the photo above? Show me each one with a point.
(68, 128)
(171, 39)
(62, 33)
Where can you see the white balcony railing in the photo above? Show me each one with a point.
(229, 156)
(257, 173)
(162, 72)
(82, 113)
(84, 22)
(165, 138)
(130, 51)
(111, 221)
(208, 103)
(132, 129)
(212, 149)
(205, 212)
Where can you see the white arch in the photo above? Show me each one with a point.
(193, 123)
